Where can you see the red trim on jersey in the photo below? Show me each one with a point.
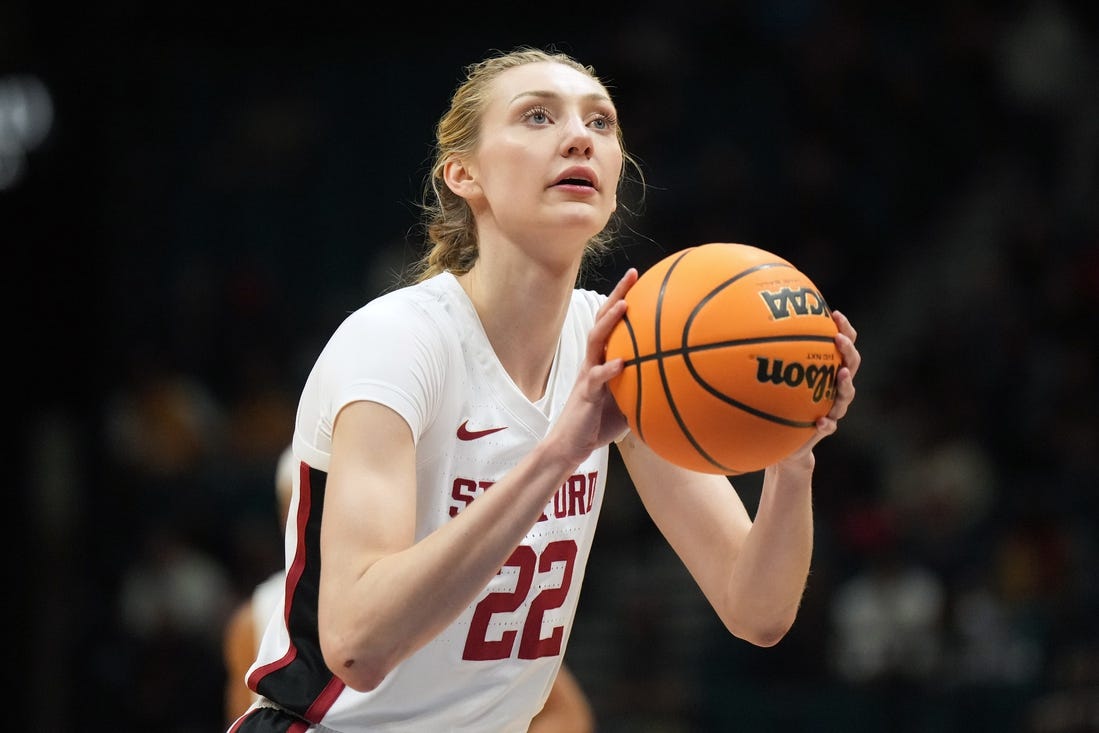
(325, 700)
(261, 672)
(293, 575)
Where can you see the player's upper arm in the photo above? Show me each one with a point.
(370, 496)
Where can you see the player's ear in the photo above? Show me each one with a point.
(460, 178)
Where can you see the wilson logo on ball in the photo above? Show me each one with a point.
(821, 380)
(803, 302)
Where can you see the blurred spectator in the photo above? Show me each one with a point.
(173, 601)
(163, 424)
(1072, 706)
(174, 589)
(887, 618)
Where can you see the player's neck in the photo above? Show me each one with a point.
(522, 314)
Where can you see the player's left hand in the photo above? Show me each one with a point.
(845, 389)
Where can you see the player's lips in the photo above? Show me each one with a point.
(577, 175)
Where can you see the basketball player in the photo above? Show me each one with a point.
(455, 437)
(567, 709)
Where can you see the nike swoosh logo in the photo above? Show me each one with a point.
(465, 433)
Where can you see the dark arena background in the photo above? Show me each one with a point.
(191, 198)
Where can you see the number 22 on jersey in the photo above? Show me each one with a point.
(531, 644)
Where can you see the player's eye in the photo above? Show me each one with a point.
(538, 115)
(603, 122)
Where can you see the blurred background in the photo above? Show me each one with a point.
(192, 198)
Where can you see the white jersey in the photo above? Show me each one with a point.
(421, 351)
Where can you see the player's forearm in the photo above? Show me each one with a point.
(405, 599)
(769, 577)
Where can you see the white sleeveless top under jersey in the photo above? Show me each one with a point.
(421, 350)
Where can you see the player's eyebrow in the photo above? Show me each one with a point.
(544, 94)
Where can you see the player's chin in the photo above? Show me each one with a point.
(588, 212)
(588, 220)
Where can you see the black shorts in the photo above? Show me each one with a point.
(263, 719)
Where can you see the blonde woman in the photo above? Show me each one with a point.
(455, 434)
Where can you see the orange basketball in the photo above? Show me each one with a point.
(730, 358)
